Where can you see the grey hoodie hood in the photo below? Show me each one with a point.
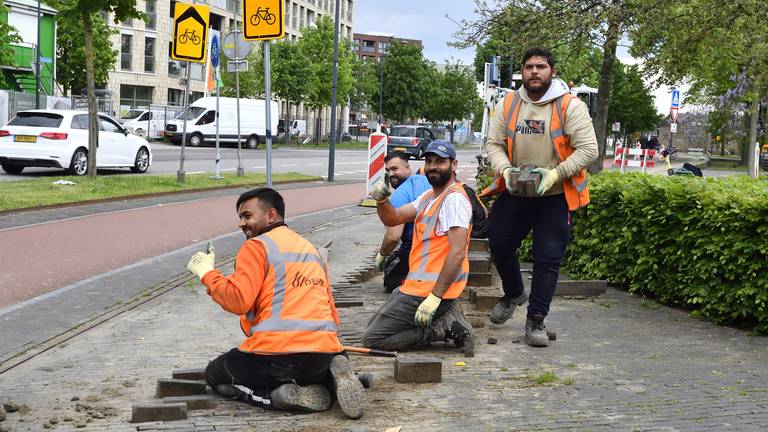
(556, 89)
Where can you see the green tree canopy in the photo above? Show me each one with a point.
(406, 86)
(316, 49)
(452, 96)
(632, 103)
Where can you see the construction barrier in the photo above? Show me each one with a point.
(641, 158)
(377, 148)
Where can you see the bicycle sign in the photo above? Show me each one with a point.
(190, 32)
(263, 19)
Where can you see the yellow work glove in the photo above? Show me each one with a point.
(548, 179)
(201, 263)
(427, 310)
(381, 191)
(380, 260)
(507, 174)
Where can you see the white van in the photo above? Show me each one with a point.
(201, 122)
(145, 123)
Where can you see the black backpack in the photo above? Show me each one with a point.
(478, 213)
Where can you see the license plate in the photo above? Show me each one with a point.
(25, 138)
(400, 149)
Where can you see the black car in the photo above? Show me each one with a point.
(409, 139)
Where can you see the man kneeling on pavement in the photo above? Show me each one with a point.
(424, 309)
(291, 356)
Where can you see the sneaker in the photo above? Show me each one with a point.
(349, 390)
(503, 310)
(535, 335)
(293, 397)
(459, 330)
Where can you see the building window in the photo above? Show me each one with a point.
(135, 96)
(295, 15)
(383, 47)
(127, 23)
(151, 11)
(196, 71)
(369, 46)
(126, 41)
(149, 55)
(232, 5)
(175, 97)
(174, 67)
(288, 13)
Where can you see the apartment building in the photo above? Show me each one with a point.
(375, 45)
(145, 74)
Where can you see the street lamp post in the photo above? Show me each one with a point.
(381, 89)
(37, 60)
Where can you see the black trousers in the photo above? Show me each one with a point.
(395, 271)
(260, 374)
(510, 221)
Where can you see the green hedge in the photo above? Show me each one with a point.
(701, 244)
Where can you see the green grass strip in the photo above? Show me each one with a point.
(41, 191)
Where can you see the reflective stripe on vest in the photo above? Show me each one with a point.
(278, 260)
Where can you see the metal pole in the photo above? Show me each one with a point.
(180, 172)
(381, 89)
(334, 90)
(37, 60)
(268, 111)
(240, 170)
(218, 112)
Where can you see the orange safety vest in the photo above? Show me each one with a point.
(429, 252)
(294, 309)
(576, 188)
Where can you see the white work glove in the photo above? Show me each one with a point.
(380, 260)
(548, 179)
(427, 310)
(201, 263)
(507, 174)
(381, 191)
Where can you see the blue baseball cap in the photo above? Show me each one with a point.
(442, 148)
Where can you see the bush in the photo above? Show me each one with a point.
(701, 244)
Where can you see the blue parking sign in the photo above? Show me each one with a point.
(675, 98)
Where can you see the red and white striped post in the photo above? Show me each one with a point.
(377, 148)
(620, 158)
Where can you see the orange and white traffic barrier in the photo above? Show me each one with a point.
(377, 149)
(645, 159)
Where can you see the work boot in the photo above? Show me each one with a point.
(459, 330)
(293, 397)
(535, 335)
(505, 307)
(349, 390)
(228, 391)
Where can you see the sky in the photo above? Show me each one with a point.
(426, 20)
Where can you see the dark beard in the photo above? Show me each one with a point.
(441, 179)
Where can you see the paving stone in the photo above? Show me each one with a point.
(485, 301)
(348, 303)
(178, 387)
(412, 369)
(479, 264)
(478, 245)
(150, 412)
(195, 402)
(581, 287)
(480, 279)
(189, 374)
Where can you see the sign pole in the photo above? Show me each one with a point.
(334, 89)
(268, 111)
(240, 171)
(180, 172)
(216, 71)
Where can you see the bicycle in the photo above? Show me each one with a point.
(262, 13)
(189, 35)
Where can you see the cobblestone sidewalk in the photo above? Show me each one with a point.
(619, 363)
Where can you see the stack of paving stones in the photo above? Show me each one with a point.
(185, 391)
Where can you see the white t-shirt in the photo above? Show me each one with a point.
(456, 211)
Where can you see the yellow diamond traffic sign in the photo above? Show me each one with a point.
(263, 19)
(190, 32)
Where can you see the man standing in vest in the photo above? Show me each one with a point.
(407, 188)
(424, 309)
(540, 124)
(281, 290)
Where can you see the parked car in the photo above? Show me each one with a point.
(141, 121)
(409, 139)
(59, 139)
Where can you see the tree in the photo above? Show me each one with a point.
(453, 95)
(316, 48)
(8, 35)
(366, 73)
(87, 12)
(71, 53)
(633, 104)
(289, 72)
(577, 25)
(251, 81)
(406, 86)
(721, 49)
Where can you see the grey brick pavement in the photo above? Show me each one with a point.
(620, 363)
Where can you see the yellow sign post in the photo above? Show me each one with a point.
(263, 19)
(190, 32)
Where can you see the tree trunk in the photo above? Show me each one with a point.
(753, 114)
(287, 125)
(93, 124)
(612, 33)
(451, 131)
